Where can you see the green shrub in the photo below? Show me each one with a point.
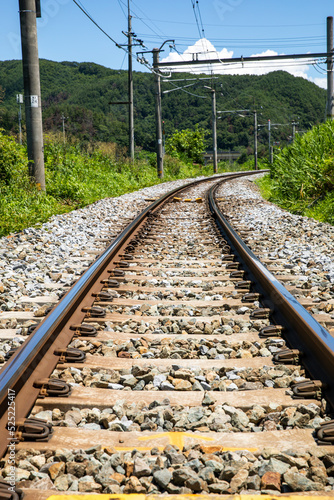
(75, 177)
(13, 160)
(302, 175)
(187, 145)
(305, 169)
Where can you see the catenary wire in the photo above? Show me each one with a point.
(201, 33)
(121, 4)
(108, 36)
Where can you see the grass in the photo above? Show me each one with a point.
(74, 179)
(321, 209)
(302, 175)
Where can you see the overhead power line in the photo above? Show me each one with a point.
(185, 91)
(146, 64)
(97, 25)
(149, 23)
(121, 4)
(200, 28)
(198, 18)
(297, 39)
(277, 44)
(241, 25)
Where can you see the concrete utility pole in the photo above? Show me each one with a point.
(160, 166)
(214, 131)
(269, 139)
(63, 118)
(293, 131)
(32, 90)
(255, 139)
(214, 128)
(255, 128)
(130, 84)
(271, 150)
(330, 97)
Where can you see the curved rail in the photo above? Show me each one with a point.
(301, 330)
(39, 355)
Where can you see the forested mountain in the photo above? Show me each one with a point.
(83, 93)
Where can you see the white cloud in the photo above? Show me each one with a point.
(203, 49)
(206, 50)
(321, 82)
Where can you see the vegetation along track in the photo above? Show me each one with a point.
(176, 364)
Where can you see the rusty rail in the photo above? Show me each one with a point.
(24, 374)
(301, 331)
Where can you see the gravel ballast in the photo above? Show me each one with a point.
(43, 261)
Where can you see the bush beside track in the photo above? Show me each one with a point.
(76, 177)
(301, 180)
(302, 175)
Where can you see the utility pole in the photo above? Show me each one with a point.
(130, 84)
(270, 125)
(293, 131)
(129, 46)
(255, 139)
(32, 90)
(330, 97)
(214, 128)
(255, 128)
(270, 146)
(270, 157)
(214, 131)
(63, 118)
(160, 166)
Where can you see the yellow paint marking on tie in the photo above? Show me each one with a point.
(176, 438)
(100, 496)
(138, 496)
(138, 448)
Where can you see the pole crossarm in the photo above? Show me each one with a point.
(190, 79)
(242, 59)
(236, 111)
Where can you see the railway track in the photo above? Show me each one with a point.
(176, 364)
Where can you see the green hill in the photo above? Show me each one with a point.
(83, 92)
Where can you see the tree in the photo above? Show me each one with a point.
(187, 145)
(67, 86)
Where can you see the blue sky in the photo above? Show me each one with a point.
(230, 27)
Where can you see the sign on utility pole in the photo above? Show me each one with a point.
(29, 10)
(19, 100)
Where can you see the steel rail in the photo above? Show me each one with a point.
(301, 330)
(36, 358)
